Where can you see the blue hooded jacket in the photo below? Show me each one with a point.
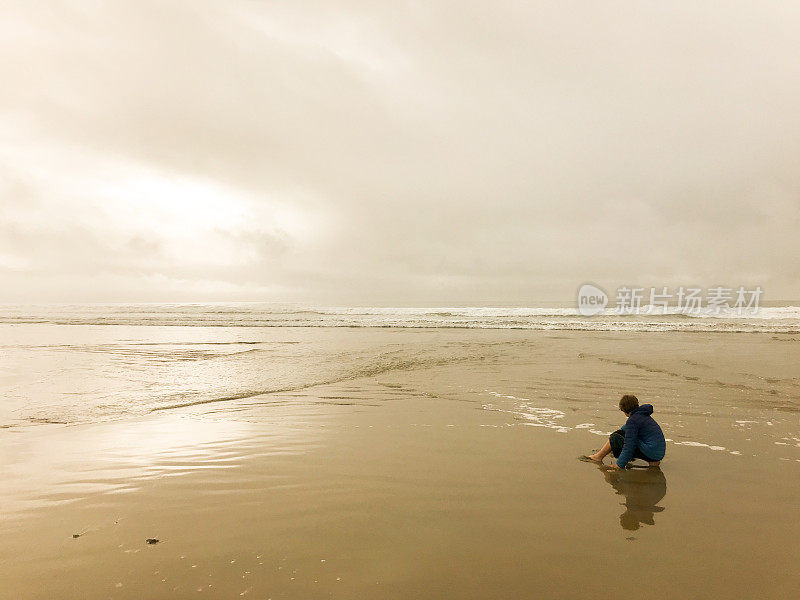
(642, 432)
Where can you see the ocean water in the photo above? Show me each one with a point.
(768, 319)
(86, 363)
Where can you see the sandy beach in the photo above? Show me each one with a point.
(445, 468)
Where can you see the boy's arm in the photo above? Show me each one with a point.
(629, 447)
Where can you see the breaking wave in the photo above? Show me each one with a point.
(775, 319)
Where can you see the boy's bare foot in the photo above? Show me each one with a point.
(590, 458)
(655, 464)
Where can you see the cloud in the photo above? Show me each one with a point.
(423, 152)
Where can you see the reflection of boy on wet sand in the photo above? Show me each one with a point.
(640, 437)
(643, 490)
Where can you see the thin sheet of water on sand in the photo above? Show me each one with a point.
(424, 482)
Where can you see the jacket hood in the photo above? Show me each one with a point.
(644, 409)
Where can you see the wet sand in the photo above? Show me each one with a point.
(440, 479)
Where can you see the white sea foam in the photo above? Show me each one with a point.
(785, 319)
(598, 432)
(534, 416)
(701, 445)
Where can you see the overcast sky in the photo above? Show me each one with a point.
(396, 153)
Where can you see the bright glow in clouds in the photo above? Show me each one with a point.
(177, 220)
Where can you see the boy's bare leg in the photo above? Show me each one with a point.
(602, 453)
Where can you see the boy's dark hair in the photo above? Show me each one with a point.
(628, 403)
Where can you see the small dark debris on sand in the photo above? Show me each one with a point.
(76, 535)
(152, 540)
